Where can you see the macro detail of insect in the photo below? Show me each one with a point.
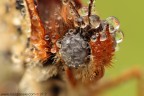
(59, 48)
(63, 33)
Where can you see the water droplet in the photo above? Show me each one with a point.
(103, 36)
(104, 25)
(46, 37)
(65, 2)
(70, 17)
(72, 12)
(59, 18)
(57, 25)
(47, 22)
(94, 38)
(78, 22)
(53, 50)
(35, 17)
(95, 21)
(71, 31)
(83, 11)
(50, 27)
(58, 44)
(114, 24)
(84, 44)
(119, 36)
(86, 20)
(23, 11)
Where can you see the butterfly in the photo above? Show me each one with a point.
(80, 43)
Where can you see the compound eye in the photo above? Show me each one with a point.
(74, 50)
(94, 21)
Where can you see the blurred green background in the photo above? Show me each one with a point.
(131, 54)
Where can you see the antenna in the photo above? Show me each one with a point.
(90, 7)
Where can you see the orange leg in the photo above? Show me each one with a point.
(128, 75)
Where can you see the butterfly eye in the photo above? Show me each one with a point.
(73, 50)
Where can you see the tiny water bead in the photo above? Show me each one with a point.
(58, 44)
(94, 37)
(83, 11)
(46, 37)
(114, 24)
(103, 36)
(94, 21)
(65, 2)
(78, 22)
(119, 36)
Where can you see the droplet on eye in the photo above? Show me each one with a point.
(103, 36)
(119, 36)
(94, 21)
(114, 24)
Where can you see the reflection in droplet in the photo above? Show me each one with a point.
(94, 37)
(114, 24)
(94, 21)
(78, 22)
(58, 44)
(119, 36)
(23, 11)
(65, 2)
(103, 36)
(83, 11)
(46, 37)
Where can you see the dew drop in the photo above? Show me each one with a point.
(72, 12)
(119, 36)
(59, 18)
(46, 37)
(104, 25)
(103, 36)
(71, 31)
(57, 25)
(94, 37)
(83, 11)
(114, 24)
(53, 50)
(78, 22)
(95, 21)
(58, 44)
(70, 17)
(50, 27)
(35, 17)
(23, 11)
(65, 2)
